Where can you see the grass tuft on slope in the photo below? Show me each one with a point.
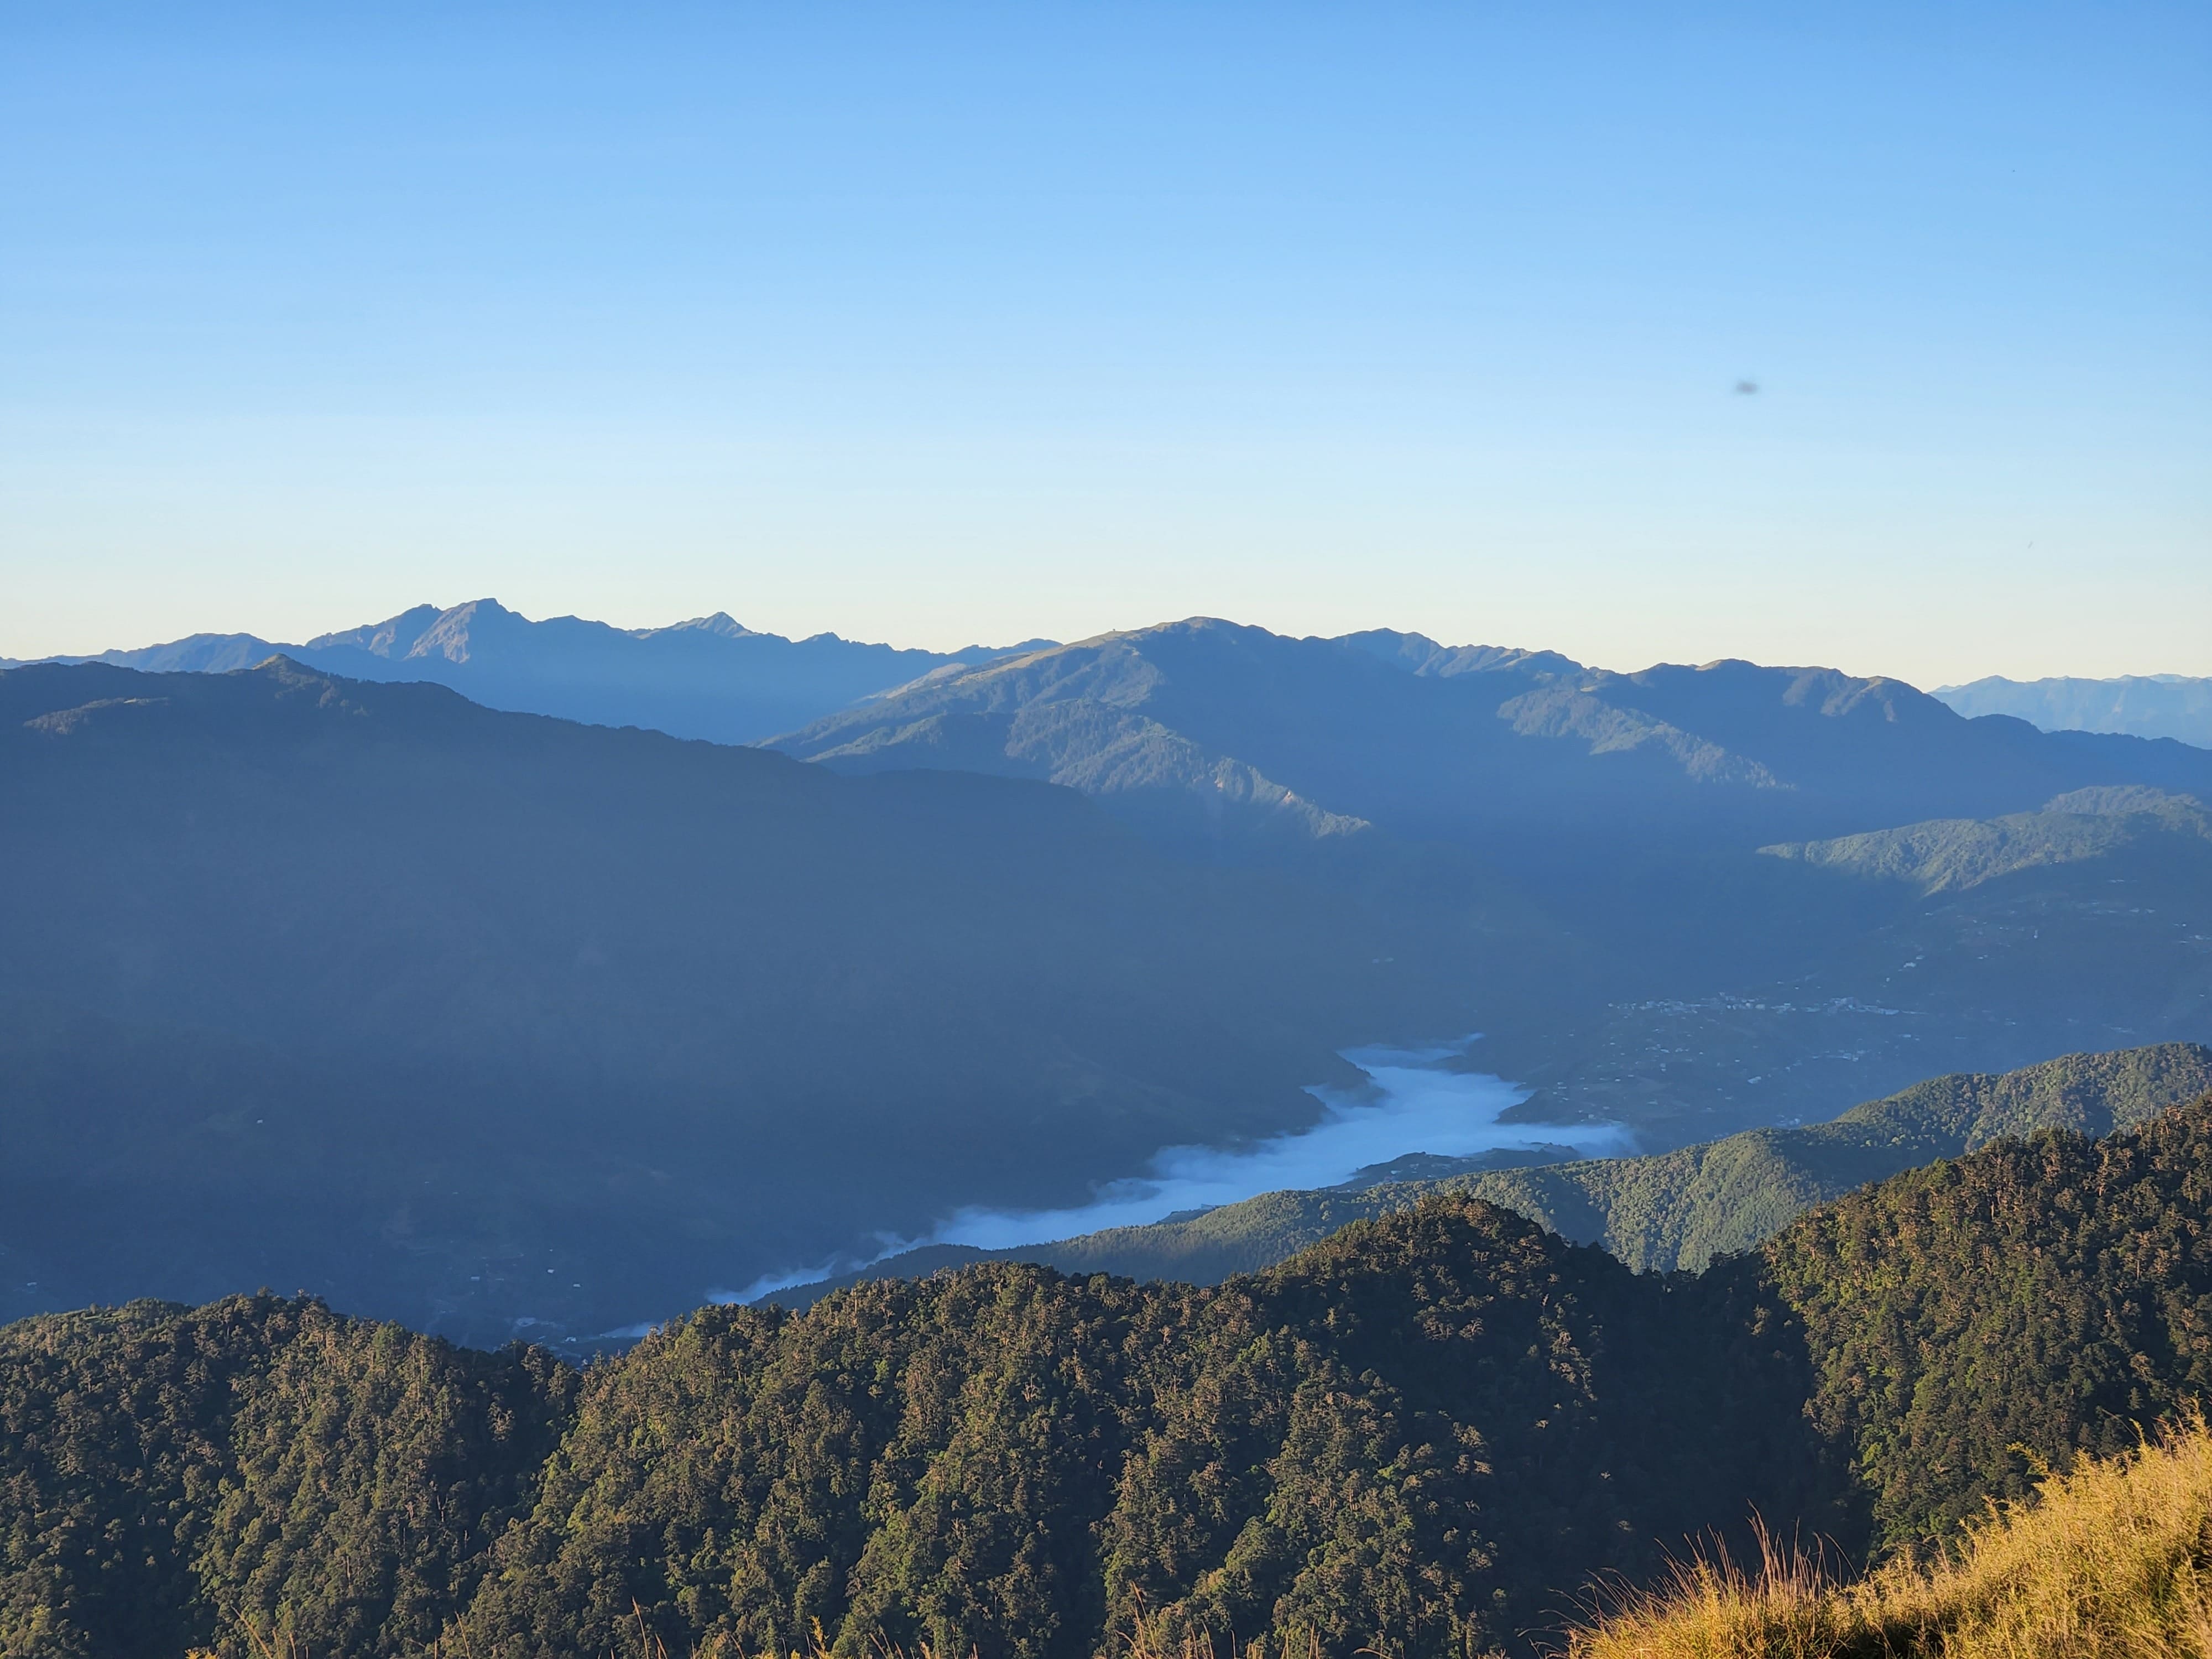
(2112, 1559)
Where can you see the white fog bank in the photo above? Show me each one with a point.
(1409, 1105)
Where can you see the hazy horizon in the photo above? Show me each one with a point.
(304, 636)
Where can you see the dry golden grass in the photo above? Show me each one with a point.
(2112, 1560)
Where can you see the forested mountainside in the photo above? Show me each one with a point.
(2145, 705)
(1421, 1437)
(483, 1018)
(1658, 1213)
(708, 677)
(2134, 824)
(1219, 729)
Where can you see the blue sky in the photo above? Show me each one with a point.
(940, 322)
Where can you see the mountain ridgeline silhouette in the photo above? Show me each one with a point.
(708, 677)
(2146, 705)
(1223, 728)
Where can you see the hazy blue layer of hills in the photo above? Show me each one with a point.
(506, 1024)
(1629, 809)
(1210, 727)
(708, 677)
(1953, 854)
(673, 1015)
(1984, 944)
(2146, 705)
(480, 1016)
(1218, 728)
(1678, 1209)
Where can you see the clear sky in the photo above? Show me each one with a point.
(937, 322)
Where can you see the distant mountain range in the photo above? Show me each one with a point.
(360, 985)
(2146, 705)
(1210, 728)
(710, 677)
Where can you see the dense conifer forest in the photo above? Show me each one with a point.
(1426, 1435)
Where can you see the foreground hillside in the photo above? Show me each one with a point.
(2106, 1562)
(1423, 1437)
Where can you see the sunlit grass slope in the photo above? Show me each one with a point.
(2112, 1559)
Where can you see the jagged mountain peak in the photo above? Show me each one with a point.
(708, 676)
(1419, 654)
(392, 637)
(453, 634)
(721, 623)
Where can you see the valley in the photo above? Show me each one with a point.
(1413, 1106)
(293, 935)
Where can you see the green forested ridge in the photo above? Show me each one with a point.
(1681, 1209)
(1670, 1210)
(173, 1476)
(1421, 1436)
(1948, 854)
(2034, 1298)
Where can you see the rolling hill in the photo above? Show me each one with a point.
(2137, 824)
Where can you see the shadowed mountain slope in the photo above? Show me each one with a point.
(368, 989)
(1474, 744)
(1630, 810)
